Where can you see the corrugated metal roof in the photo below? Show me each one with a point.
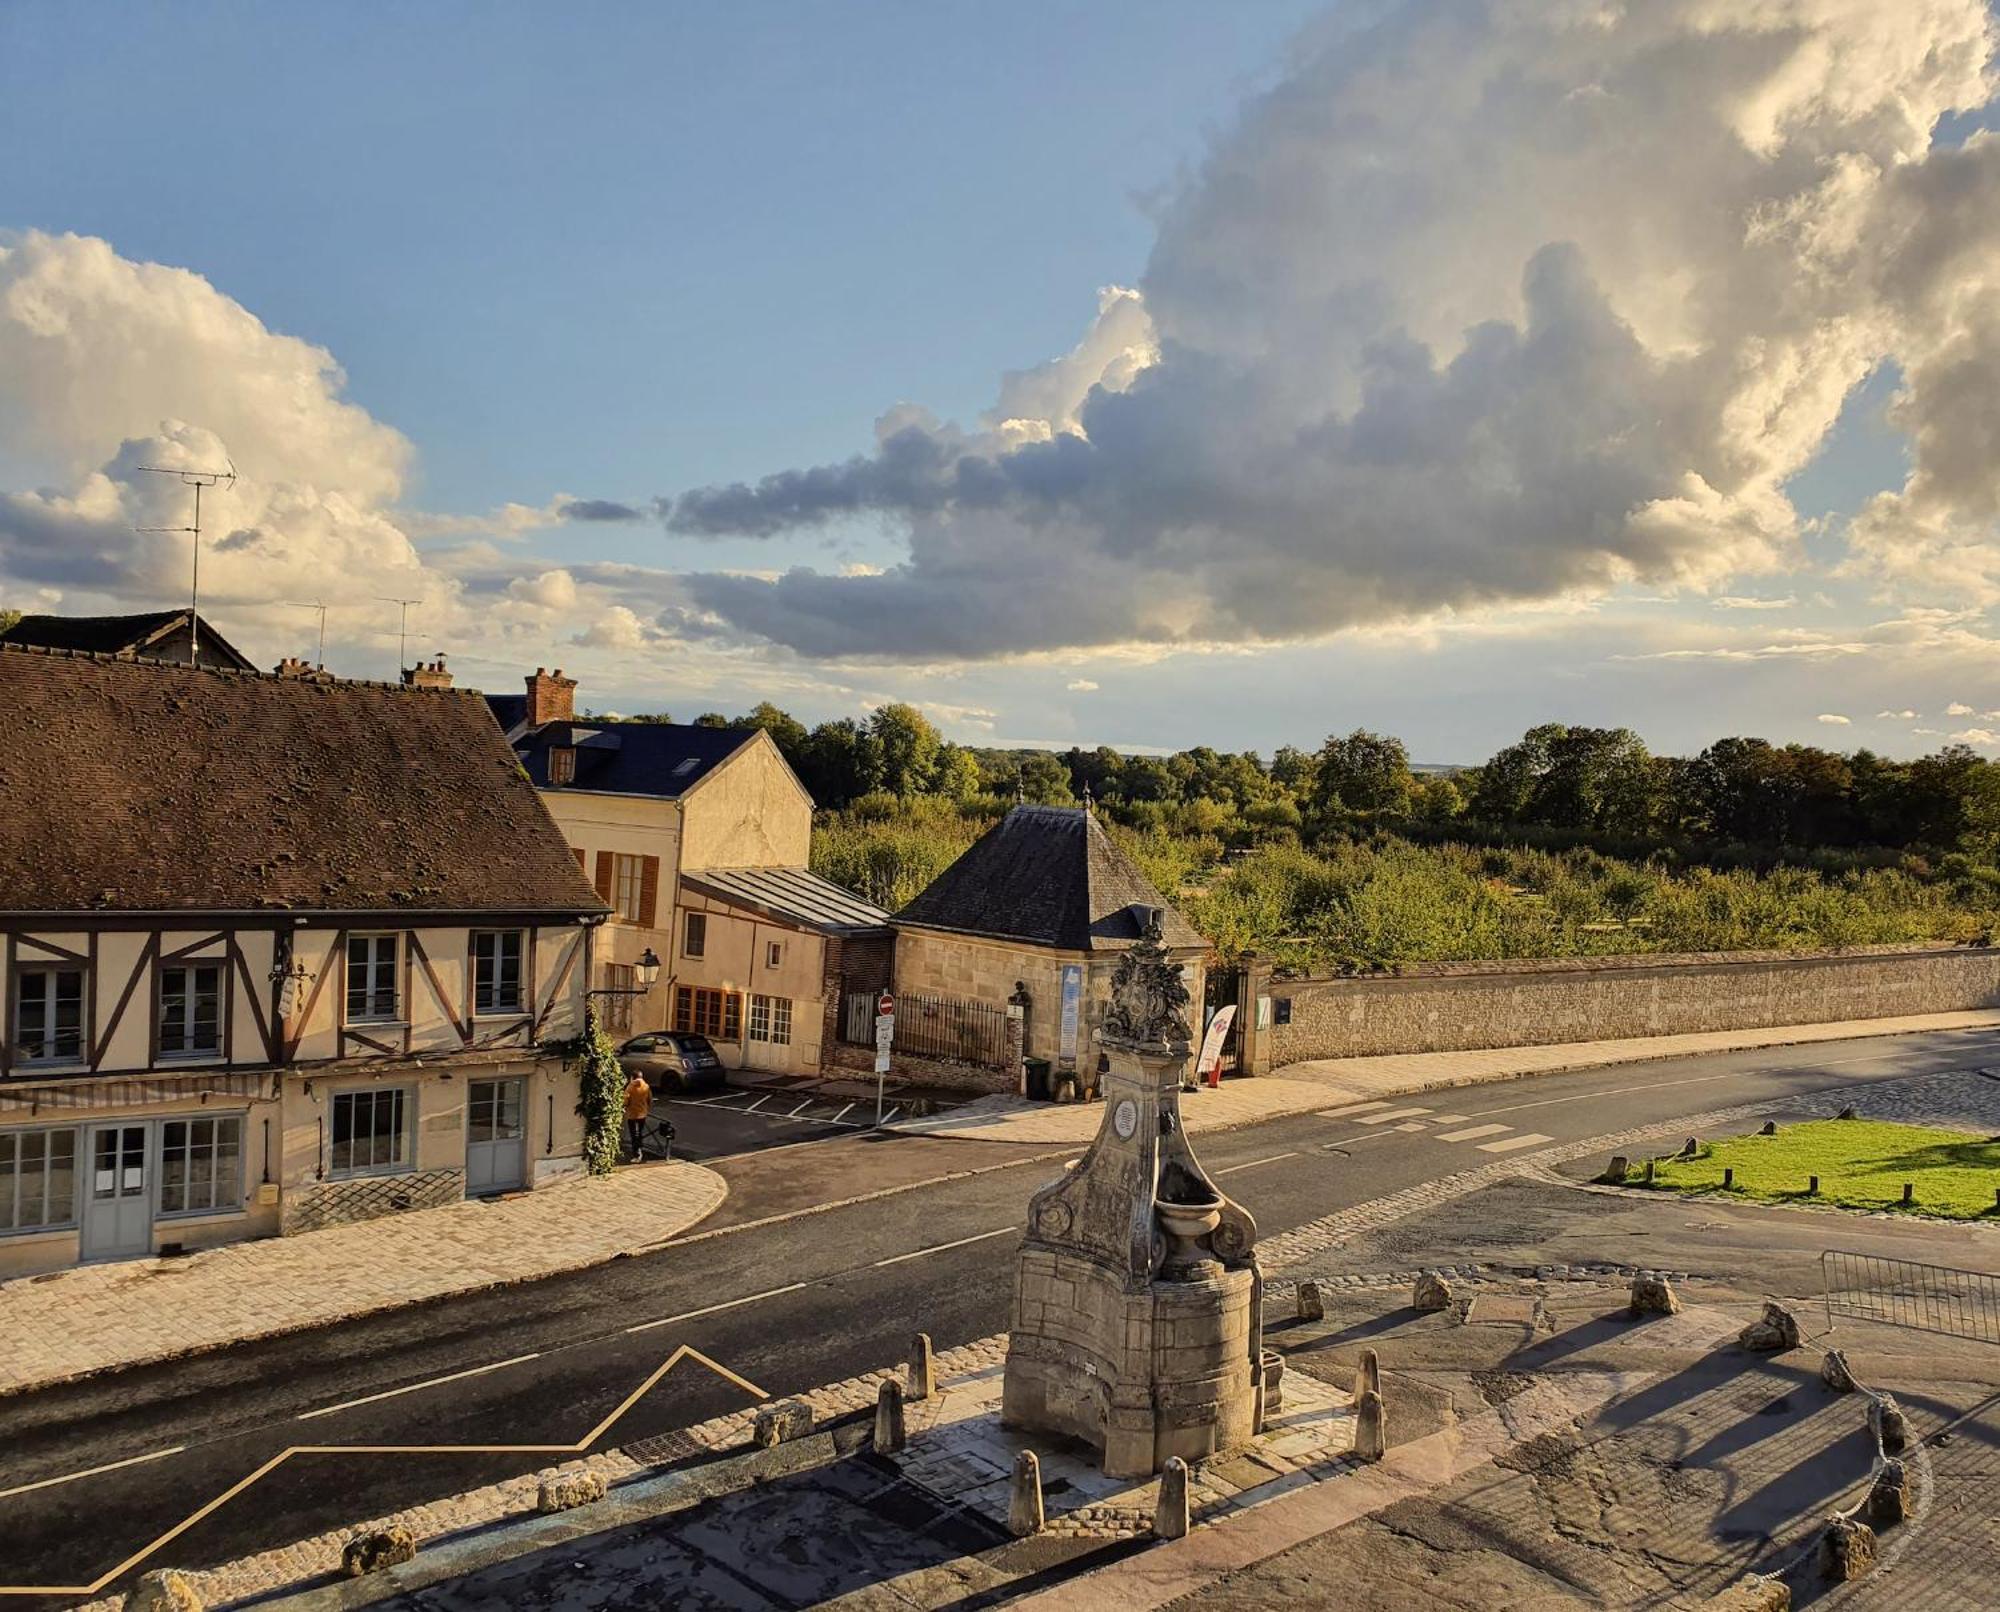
(796, 894)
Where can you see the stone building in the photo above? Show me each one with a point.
(279, 953)
(697, 838)
(1036, 913)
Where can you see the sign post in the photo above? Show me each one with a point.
(885, 1038)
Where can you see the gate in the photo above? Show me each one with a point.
(1903, 1293)
(1220, 990)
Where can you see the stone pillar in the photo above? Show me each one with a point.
(1017, 1035)
(1171, 1516)
(1024, 1496)
(889, 1435)
(1253, 983)
(923, 1367)
(1371, 1437)
(1368, 1376)
(833, 974)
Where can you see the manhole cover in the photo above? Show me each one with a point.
(1518, 1309)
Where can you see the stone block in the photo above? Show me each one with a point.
(781, 1421)
(1652, 1294)
(1888, 1500)
(1885, 1416)
(889, 1433)
(1616, 1171)
(1371, 1439)
(1774, 1332)
(1755, 1594)
(1311, 1306)
(1171, 1515)
(1846, 1549)
(1024, 1496)
(1837, 1374)
(564, 1491)
(370, 1553)
(164, 1590)
(1431, 1292)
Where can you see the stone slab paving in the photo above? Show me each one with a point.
(97, 1317)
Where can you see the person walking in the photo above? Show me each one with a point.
(638, 1104)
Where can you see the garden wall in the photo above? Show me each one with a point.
(1458, 1007)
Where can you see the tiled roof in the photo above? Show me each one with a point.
(112, 635)
(141, 785)
(794, 894)
(1050, 876)
(621, 758)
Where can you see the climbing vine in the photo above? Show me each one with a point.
(600, 1092)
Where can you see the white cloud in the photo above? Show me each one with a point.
(1958, 708)
(1833, 719)
(1081, 685)
(1897, 716)
(1985, 738)
(1746, 602)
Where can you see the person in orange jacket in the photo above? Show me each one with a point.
(638, 1104)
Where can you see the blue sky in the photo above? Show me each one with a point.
(628, 253)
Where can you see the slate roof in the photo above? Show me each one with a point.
(1050, 876)
(113, 635)
(622, 758)
(793, 894)
(147, 786)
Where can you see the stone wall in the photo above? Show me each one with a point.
(1461, 1007)
(851, 1059)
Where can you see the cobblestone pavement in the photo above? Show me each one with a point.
(96, 1317)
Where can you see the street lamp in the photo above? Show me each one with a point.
(646, 971)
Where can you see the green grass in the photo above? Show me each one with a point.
(1861, 1164)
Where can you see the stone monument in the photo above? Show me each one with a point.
(1137, 1297)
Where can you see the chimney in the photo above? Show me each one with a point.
(430, 674)
(551, 697)
(303, 670)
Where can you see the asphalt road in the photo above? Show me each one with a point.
(787, 1303)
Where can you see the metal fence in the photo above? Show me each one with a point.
(1901, 1292)
(949, 1027)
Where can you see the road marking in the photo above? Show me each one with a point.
(397, 1393)
(1273, 1159)
(1449, 1119)
(1476, 1130)
(759, 1103)
(893, 1112)
(939, 1248)
(1351, 1108)
(837, 1118)
(795, 1113)
(711, 1309)
(1358, 1136)
(92, 1471)
(1532, 1139)
(1394, 1113)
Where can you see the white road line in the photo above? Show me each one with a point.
(1394, 1113)
(1449, 1119)
(939, 1248)
(1273, 1159)
(92, 1471)
(712, 1309)
(759, 1103)
(1532, 1139)
(795, 1113)
(1412, 1126)
(837, 1118)
(893, 1112)
(1351, 1108)
(1476, 1130)
(1358, 1136)
(397, 1393)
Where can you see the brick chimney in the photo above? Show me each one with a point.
(429, 674)
(303, 670)
(551, 697)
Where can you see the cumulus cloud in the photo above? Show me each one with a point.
(1958, 708)
(1897, 716)
(1483, 303)
(1985, 738)
(1082, 685)
(1738, 601)
(1834, 720)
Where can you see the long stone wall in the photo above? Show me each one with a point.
(1462, 1007)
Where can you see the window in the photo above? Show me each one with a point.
(616, 1011)
(371, 977)
(369, 1133)
(562, 765)
(715, 1014)
(496, 971)
(771, 1020)
(774, 954)
(37, 1180)
(628, 888)
(694, 935)
(191, 1010)
(201, 1165)
(48, 1015)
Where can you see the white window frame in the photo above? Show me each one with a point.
(774, 954)
(374, 940)
(224, 1187)
(405, 1132)
(190, 966)
(771, 1020)
(498, 938)
(628, 886)
(12, 1195)
(45, 1031)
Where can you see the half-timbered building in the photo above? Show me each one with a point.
(275, 953)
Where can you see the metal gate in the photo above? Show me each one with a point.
(1903, 1293)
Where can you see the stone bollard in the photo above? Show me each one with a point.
(1774, 1332)
(923, 1367)
(1652, 1294)
(1886, 1417)
(370, 1553)
(1371, 1435)
(1271, 1369)
(164, 1590)
(1846, 1549)
(1888, 1500)
(1368, 1374)
(780, 1421)
(1835, 1372)
(889, 1436)
(1770, 1128)
(1616, 1171)
(1691, 1148)
(1024, 1496)
(1170, 1517)
(1312, 1307)
(564, 1491)
(1432, 1292)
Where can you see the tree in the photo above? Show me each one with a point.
(909, 747)
(840, 762)
(1363, 772)
(786, 730)
(1292, 769)
(1044, 781)
(713, 719)
(9, 620)
(958, 776)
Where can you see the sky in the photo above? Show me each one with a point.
(1145, 374)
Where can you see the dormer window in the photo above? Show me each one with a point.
(562, 765)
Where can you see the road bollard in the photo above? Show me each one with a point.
(923, 1367)
(1368, 1376)
(1909, 1193)
(1171, 1516)
(1024, 1496)
(889, 1435)
(1311, 1306)
(1371, 1437)
(1812, 1186)
(1728, 1176)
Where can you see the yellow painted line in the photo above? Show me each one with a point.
(92, 1471)
(397, 1393)
(684, 1352)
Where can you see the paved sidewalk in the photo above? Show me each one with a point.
(96, 1317)
(1329, 1082)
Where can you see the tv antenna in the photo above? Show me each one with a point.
(320, 606)
(197, 479)
(402, 631)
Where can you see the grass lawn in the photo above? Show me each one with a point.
(1861, 1164)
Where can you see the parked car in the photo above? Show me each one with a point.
(674, 1061)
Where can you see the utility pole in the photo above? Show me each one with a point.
(197, 479)
(402, 631)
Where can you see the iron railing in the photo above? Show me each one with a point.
(1904, 1293)
(949, 1027)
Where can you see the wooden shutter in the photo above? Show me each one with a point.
(580, 862)
(649, 890)
(604, 870)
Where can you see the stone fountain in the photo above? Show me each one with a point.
(1137, 1297)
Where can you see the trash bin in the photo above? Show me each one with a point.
(1037, 1071)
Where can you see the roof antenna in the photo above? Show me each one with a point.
(402, 632)
(197, 479)
(320, 606)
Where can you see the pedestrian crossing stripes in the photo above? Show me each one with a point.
(1418, 1120)
(1532, 1139)
(1474, 1132)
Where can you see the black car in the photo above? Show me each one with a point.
(674, 1061)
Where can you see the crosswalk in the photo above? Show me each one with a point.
(1418, 1119)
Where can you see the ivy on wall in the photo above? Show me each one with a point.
(600, 1092)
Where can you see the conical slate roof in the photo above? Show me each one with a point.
(1049, 876)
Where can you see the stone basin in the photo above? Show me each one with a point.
(1189, 1221)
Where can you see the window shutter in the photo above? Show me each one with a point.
(604, 866)
(649, 891)
(580, 862)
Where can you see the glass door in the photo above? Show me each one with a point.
(496, 1151)
(118, 1208)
